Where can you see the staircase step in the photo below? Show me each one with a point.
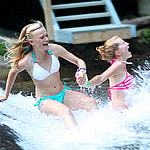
(97, 27)
(83, 16)
(97, 33)
(77, 5)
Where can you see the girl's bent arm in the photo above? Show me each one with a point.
(81, 72)
(62, 52)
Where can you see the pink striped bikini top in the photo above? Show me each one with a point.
(125, 84)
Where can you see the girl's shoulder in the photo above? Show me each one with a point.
(25, 61)
(118, 67)
(57, 49)
(117, 64)
(53, 46)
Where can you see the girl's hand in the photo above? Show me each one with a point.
(3, 98)
(81, 78)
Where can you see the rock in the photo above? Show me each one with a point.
(3, 63)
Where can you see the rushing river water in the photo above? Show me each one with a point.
(22, 126)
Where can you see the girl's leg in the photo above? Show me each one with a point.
(57, 108)
(78, 100)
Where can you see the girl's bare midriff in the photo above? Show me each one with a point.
(52, 85)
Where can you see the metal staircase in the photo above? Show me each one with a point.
(84, 22)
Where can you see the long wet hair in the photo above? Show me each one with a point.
(20, 47)
(107, 51)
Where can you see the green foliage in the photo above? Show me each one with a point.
(145, 35)
(2, 49)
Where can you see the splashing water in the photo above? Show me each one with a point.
(104, 129)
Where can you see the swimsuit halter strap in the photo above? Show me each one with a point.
(34, 58)
(49, 52)
(125, 70)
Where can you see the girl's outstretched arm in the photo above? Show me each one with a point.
(10, 81)
(99, 79)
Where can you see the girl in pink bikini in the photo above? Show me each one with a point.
(114, 50)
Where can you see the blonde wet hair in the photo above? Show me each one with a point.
(107, 51)
(20, 47)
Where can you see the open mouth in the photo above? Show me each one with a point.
(45, 44)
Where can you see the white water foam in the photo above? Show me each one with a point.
(104, 129)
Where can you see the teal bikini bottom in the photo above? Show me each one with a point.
(58, 97)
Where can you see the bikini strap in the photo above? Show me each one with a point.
(49, 52)
(125, 69)
(34, 59)
(114, 60)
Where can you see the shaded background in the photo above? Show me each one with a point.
(15, 14)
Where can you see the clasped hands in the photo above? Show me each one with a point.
(81, 78)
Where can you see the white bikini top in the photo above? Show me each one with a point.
(40, 73)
